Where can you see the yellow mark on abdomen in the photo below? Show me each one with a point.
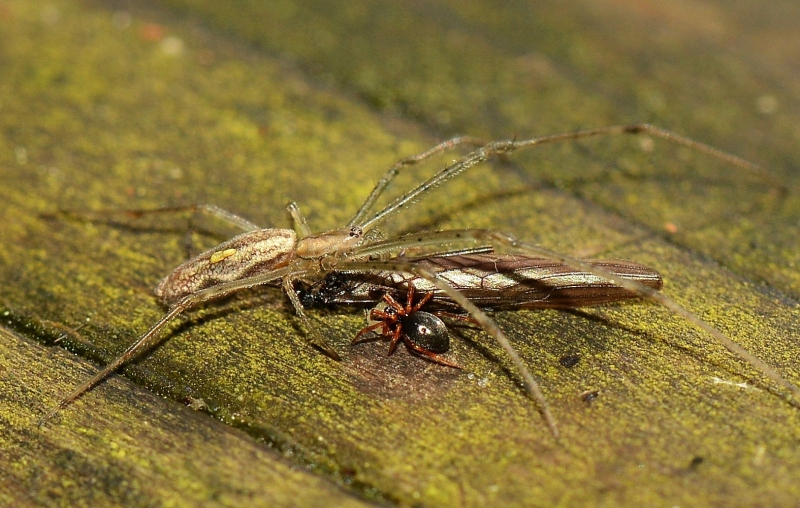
(219, 256)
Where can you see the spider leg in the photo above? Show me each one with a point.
(422, 301)
(318, 341)
(392, 172)
(394, 303)
(504, 147)
(429, 354)
(151, 337)
(211, 210)
(396, 337)
(368, 329)
(409, 308)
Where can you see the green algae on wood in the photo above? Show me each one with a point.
(111, 114)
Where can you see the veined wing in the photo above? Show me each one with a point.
(491, 281)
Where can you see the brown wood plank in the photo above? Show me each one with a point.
(247, 106)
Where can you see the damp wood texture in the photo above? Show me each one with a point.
(137, 105)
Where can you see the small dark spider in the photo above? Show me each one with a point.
(423, 333)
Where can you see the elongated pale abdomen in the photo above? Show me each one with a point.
(242, 256)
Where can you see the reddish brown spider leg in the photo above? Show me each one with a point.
(410, 310)
(396, 337)
(368, 329)
(409, 298)
(389, 299)
(429, 354)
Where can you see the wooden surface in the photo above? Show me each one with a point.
(122, 105)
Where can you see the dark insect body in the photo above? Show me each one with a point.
(590, 395)
(491, 281)
(284, 256)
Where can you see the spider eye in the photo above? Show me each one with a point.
(356, 232)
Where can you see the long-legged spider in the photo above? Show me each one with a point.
(262, 256)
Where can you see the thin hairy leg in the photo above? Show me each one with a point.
(384, 182)
(318, 341)
(410, 243)
(151, 337)
(210, 210)
(397, 335)
(410, 307)
(503, 147)
(382, 325)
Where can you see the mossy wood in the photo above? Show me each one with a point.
(247, 106)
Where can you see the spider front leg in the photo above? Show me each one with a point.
(384, 319)
(384, 182)
(410, 299)
(153, 335)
